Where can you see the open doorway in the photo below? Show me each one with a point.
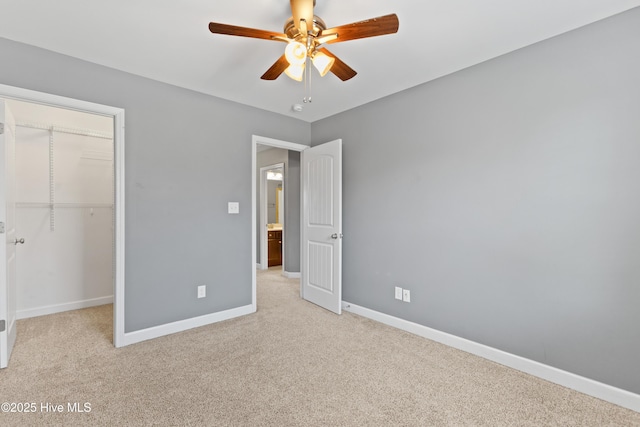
(267, 155)
(116, 116)
(319, 213)
(64, 191)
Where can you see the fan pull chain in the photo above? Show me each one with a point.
(307, 82)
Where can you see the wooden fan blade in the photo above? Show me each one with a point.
(339, 68)
(276, 69)
(379, 26)
(326, 38)
(302, 9)
(233, 30)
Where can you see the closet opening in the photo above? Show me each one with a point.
(65, 191)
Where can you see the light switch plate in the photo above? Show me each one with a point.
(234, 207)
(399, 293)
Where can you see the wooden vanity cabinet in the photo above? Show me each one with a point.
(275, 247)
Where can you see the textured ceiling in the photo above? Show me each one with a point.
(169, 41)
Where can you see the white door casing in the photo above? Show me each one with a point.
(8, 249)
(322, 225)
(120, 338)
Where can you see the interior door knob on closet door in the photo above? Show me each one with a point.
(21, 241)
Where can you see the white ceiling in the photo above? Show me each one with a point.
(169, 41)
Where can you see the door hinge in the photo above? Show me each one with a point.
(1, 227)
(1, 128)
(2, 325)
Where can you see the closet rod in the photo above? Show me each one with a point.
(83, 132)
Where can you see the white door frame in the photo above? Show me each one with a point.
(264, 252)
(10, 241)
(262, 140)
(27, 95)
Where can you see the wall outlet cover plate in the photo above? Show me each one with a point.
(202, 291)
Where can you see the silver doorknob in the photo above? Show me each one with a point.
(21, 241)
(336, 235)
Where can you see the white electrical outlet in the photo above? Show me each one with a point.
(399, 293)
(406, 295)
(202, 291)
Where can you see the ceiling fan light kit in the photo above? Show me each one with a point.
(295, 71)
(305, 33)
(322, 62)
(296, 53)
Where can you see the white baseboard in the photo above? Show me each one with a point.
(584, 385)
(291, 274)
(59, 308)
(183, 325)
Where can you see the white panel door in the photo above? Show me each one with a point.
(8, 249)
(322, 225)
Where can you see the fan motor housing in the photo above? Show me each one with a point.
(292, 32)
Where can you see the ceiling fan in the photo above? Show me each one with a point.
(305, 33)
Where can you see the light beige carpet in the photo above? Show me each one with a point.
(290, 364)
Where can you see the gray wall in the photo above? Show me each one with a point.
(293, 212)
(506, 197)
(291, 160)
(187, 155)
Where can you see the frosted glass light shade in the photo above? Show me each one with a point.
(296, 53)
(323, 63)
(274, 176)
(296, 72)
